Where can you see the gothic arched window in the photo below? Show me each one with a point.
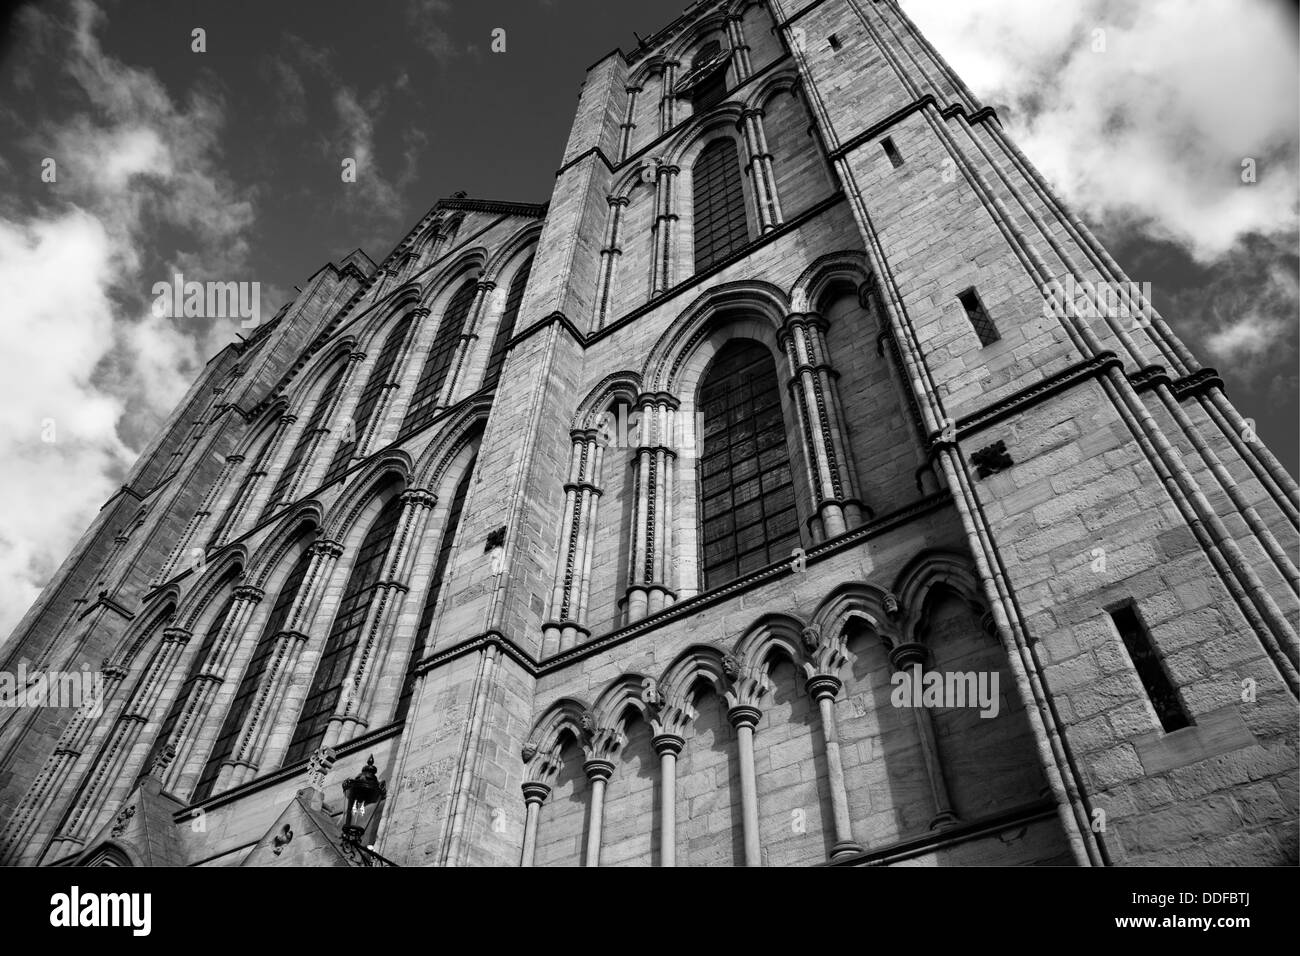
(507, 327)
(248, 684)
(370, 396)
(256, 470)
(315, 425)
(747, 506)
(178, 705)
(424, 400)
(336, 656)
(449, 529)
(720, 226)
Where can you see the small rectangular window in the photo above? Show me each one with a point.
(1150, 669)
(834, 41)
(979, 319)
(892, 152)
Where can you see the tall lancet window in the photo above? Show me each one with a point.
(424, 400)
(435, 585)
(720, 226)
(256, 469)
(514, 297)
(370, 396)
(315, 425)
(196, 668)
(228, 735)
(747, 505)
(327, 684)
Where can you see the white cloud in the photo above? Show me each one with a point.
(77, 264)
(1151, 132)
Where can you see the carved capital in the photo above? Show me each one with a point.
(327, 548)
(743, 715)
(419, 497)
(598, 768)
(535, 792)
(604, 744)
(250, 593)
(748, 687)
(667, 744)
(672, 719)
(903, 656)
(823, 686)
(176, 635)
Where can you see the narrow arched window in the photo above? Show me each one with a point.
(370, 395)
(315, 425)
(424, 400)
(747, 505)
(242, 703)
(449, 529)
(336, 656)
(178, 705)
(720, 226)
(514, 297)
(256, 470)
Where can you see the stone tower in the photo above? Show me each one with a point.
(620, 529)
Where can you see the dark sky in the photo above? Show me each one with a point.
(447, 113)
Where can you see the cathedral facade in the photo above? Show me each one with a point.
(803, 483)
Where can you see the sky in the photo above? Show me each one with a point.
(225, 164)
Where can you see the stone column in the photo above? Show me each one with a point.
(668, 102)
(654, 484)
(668, 722)
(823, 684)
(535, 794)
(598, 772)
(739, 48)
(831, 474)
(568, 624)
(664, 242)
(747, 687)
(609, 259)
(628, 124)
(905, 657)
(761, 175)
(745, 719)
(667, 746)
(601, 746)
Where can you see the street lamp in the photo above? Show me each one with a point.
(361, 793)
